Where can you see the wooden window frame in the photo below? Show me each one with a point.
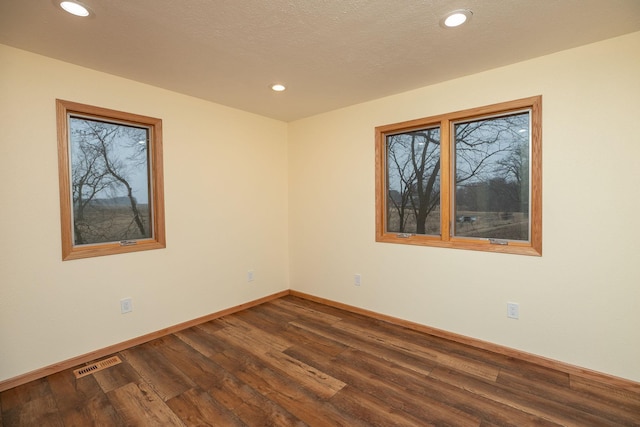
(70, 251)
(445, 122)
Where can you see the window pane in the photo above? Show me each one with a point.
(492, 177)
(413, 182)
(109, 182)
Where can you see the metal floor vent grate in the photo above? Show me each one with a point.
(96, 367)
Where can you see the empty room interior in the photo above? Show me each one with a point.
(290, 203)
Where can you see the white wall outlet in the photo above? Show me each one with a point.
(126, 305)
(357, 279)
(250, 276)
(513, 310)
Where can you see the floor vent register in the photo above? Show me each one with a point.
(96, 367)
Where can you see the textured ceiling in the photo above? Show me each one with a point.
(329, 53)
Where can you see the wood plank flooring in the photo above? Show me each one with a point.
(293, 362)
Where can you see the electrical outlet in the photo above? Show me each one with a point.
(357, 279)
(126, 305)
(513, 310)
(250, 276)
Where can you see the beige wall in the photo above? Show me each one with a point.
(303, 217)
(226, 212)
(580, 301)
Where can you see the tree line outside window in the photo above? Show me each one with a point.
(110, 185)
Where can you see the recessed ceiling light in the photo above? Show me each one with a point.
(456, 18)
(74, 8)
(278, 87)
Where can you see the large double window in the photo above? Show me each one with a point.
(470, 179)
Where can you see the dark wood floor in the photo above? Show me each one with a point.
(292, 362)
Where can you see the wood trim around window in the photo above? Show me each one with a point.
(157, 240)
(445, 122)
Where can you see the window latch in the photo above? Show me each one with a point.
(404, 235)
(498, 242)
(127, 242)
